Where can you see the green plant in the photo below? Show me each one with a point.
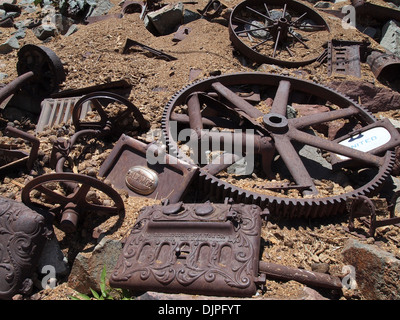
(106, 292)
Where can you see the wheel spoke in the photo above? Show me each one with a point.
(294, 163)
(237, 101)
(299, 18)
(276, 43)
(323, 117)
(281, 98)
(260, 43)
(335, 147)
(56, 197)
(299, 40)
(259, 13)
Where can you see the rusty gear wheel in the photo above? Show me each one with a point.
(260, 108)
(286, 33)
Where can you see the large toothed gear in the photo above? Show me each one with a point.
(285, 179)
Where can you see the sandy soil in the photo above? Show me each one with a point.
(93, 55)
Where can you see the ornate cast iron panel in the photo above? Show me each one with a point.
(210, 249)
(23, 233)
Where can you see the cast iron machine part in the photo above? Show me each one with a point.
(107, 126)
(16, 158)
(40, 72)
(212, 103)
(280, 33)
(68, 207)
(99, 100)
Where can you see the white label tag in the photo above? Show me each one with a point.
(367, 140)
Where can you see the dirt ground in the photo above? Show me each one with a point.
(93, 55)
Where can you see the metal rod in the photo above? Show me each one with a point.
(310, 278)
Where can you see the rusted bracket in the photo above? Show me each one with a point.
(132, 43)
(344, 57)
(362, 206)
(16, 158)
(212, 9)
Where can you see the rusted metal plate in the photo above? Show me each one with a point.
(344, 58)
(23, 234)
(58, 111)
(206, 248)
(127, 167)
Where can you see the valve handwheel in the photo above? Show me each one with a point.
(71, 204)
(99, 101)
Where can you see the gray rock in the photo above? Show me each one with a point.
(322, 4)
(88, 266)
(72, 29)
(10, 45)
(43, 32)
(20, 33)
(377, 272)
(98, 7)
(391, 37)
(166, 19)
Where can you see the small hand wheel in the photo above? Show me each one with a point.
(98, 101)
(72, 204)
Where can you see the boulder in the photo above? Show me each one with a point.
(165, 20)
(10, 45)
(88, 266)
(377, 272)
(374, 98)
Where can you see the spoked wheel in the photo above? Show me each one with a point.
(297, 137)
(111, 112)
(87, 195)
(286, 33)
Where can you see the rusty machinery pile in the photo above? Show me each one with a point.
(183, 247)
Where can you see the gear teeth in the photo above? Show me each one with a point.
(282, 207)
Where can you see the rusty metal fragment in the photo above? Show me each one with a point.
(363, 207)
(204, 248)
(344, 57)
(381, 13)
(212, 9)
(132, 43)
(23, 233)
(181, 33)
(310, 278)
(144, 170)
(384, 66)
(10, 158)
